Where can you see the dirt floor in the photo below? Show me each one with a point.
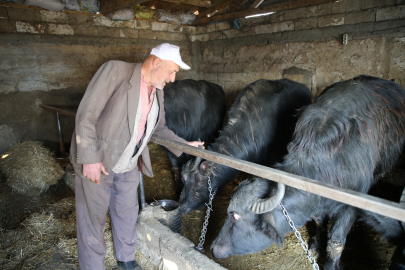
(24, 246)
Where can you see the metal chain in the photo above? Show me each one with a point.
(311, 259)
(207, 216)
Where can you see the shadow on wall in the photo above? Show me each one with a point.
(304, 76)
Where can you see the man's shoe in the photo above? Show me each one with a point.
(132, 265)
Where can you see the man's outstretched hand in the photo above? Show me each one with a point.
(196, 144)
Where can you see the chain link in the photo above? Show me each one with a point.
(207, 216)
(311, 259)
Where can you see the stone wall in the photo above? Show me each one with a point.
(49, 57)
(306, 45)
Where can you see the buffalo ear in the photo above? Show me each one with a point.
(265, 223)
(269, 218)
(205, 168)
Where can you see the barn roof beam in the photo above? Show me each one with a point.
(222, 10)
(271, 8)
(107, 6)
(152, 4)
(198, 3)
(237, 6)
(256, 4)
(213, 10)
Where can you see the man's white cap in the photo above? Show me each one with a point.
(171, 52)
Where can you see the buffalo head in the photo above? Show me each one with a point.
(250, 226)
(195, 179)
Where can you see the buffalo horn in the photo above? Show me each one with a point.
(195, 164)
(260, 206)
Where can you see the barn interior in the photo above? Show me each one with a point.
(48, 57)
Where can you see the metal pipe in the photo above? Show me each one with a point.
(350, 197)
(61, 141)
(142, 191)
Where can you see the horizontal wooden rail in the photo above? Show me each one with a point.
(350, 197)
(66, 110)
(353, 198)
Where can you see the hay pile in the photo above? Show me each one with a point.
(35, 242)
(30, 168)
(43, 234)
(68, 246)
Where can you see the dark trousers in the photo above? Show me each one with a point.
(118, 193)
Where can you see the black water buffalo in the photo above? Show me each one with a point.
(194, 110)
(261, 123)
(349, 137)
(390, 230)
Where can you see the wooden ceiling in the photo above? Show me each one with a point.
(208, 11)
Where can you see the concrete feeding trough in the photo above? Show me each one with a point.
(168, 214)
(166, 249)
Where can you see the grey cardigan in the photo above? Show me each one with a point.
(106, 116)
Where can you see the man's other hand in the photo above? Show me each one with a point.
(92, 171)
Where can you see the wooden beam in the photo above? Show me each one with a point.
(152, 3)
(198, 3)
(272, 8)
(66, 110)
(178, 7)
(212, 10)
(183, 8)
(222, 10)
(160, 5)
(107, 6)
(256, 4)
(347, 196)
(18, 5)
(237, 6)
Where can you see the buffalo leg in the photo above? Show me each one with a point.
(318, 245)
(402, 202)
(398, 259)
(337, 236)
(178, 182)
(176, 169)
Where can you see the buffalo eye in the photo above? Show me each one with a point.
(235, 216)
(183, 180)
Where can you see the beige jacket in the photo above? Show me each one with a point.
(106, 116)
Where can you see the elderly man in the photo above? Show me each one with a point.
(120, 110)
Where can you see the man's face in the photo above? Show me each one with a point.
(164, 73)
